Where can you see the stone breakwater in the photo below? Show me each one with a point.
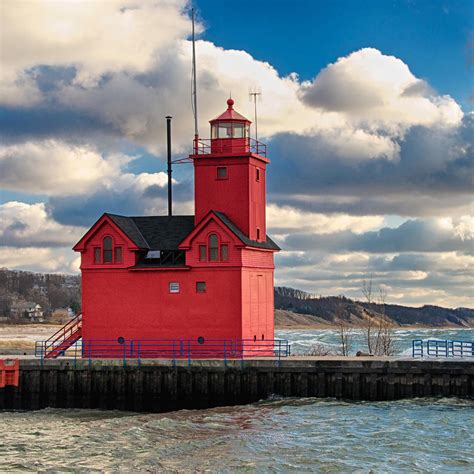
(164, 385)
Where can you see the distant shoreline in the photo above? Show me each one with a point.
(336, 327)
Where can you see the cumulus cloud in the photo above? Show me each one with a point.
(38, 259)
(285, 220)
(431, 176)
(373, 87)
(29, 225)
(434, 235)
(55, 168)
(95, 37)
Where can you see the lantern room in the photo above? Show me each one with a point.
(230, 132)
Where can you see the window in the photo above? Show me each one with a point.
(257, 174)
(108, 253)
(238, 130)
(258, 233)
(224, 252)
(200, 287)
(222, 172)
(213, 248)
(174, 287)
(107, 243)
(213, 251)
(225, 130)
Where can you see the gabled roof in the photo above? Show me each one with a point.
(221, 217)
(269, 244)
(168, 232)
(155, 232)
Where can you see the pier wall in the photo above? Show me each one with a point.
(159, 385)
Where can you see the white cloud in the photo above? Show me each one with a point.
(38, 259)
(55, 168)
(289, 219)
(29, 225)
(94, 37)
(371, 87)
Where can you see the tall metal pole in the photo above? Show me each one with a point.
(254, 96)
(170, 171)
(255, 110)
(196, 131)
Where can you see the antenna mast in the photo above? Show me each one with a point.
(254, 95)
(194, 89)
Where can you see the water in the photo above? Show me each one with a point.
(302, 340)
(289, 435)
(279, 435)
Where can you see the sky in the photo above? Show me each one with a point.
(366, 109)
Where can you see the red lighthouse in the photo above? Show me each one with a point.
(197, 279)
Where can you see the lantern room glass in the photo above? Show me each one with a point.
(229, 130)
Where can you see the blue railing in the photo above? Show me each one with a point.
(442, 348)
(172, 349)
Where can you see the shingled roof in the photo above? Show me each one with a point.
(155, 232)
(167, 232)
(269, 244)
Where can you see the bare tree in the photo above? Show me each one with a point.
(367, 292)
(318, 350)
(345, 331)
(385, 341)
(378, 327)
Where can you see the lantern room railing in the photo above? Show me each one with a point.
(206, 146)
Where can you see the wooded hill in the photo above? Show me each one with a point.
(50, 291)
(293, 308)
(300, 309)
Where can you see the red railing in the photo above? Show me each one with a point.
(206, 146)
(61, 340)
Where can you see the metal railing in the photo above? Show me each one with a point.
(174, 349)
(442, 348)
(206, 146)
(59, 337)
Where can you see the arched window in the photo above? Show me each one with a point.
(213, 244)
(107, 249)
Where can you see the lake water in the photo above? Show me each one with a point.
(305, 435)
(303, 340)
(279, 435)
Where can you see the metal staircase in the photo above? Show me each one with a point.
(62, 340)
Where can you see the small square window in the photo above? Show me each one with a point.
(257, 174)
(174, 287)
(97, 254)
(224, 252)
(202, 253)
(200, 287)
(222, 172)
(118, 254)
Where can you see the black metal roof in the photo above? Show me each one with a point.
(167, 232)
(155, 232)
(269, 244)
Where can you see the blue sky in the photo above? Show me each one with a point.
(432, 36)
(365, 111)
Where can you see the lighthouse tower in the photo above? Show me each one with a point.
(229, 174)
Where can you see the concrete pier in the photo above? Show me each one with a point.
(163, 385)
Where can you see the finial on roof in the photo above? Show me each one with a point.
(230, 103)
